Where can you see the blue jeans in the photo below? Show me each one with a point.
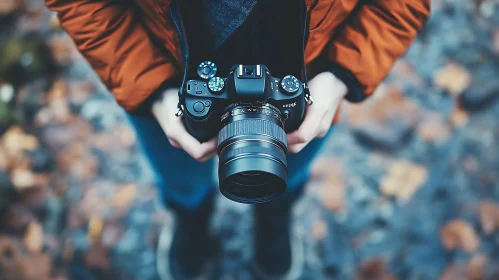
(185, 182)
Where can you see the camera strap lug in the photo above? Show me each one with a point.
(180, 110)
(308, 97)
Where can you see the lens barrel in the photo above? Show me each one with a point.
(252, 148)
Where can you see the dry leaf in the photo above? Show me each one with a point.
(125, 135)
(374, 269)
(10, 259)
(459, 234)
(453, 78)
(459, 117)
(387, 104)
(54, 22)
(95, 226)
(15, 141)
(62, 48)
(330, 175)
(495, 40)
(37, 267)
(112, 234)
(97, 256)
(489, 216)
(18, 218)
(23, 178)
(320, 230)
(124, 197)
(33, 239)
(433, 128)
(4, 160)
(10, 6)
(403, 179)
(68, 252)
(470, 165)
(476, 267)
(454, 272)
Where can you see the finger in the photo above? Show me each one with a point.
(307, 130)
(324, 127)
(322, 132)
(193, 147)
(296, 148)
(174, 143)
(208, 156)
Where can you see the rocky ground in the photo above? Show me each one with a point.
(407, 187)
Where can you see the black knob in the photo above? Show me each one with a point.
(216, 84)
(290, 84)
(207, 70)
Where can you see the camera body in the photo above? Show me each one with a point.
(207, 101)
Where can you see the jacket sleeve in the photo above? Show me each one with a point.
(372, 39)
(117, 47)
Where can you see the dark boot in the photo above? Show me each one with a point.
(185, 250)
(278, 252)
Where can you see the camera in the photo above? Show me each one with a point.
(251, 111)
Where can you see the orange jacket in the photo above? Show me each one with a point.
(135, 50)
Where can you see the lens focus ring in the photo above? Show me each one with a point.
(253, 126)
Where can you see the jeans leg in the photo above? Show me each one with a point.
(299, 166)
(181, 180)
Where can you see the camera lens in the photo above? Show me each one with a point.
(252, 147)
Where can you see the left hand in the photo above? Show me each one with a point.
(327, 91)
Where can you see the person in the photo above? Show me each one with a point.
(139, 48)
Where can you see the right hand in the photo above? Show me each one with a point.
(164, 110)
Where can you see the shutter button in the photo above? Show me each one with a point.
(198, 107)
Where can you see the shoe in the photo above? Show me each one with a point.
(279, 254)
(187, 250)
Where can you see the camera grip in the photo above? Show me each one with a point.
(198, 127)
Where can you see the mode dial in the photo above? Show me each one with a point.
(290, 84)
(216, 84)
(207, 70)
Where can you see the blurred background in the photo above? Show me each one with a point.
(407, 188)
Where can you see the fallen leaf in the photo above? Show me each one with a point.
(62, 48)
(126, 135)
(15, 141)
(433, 128)
(470, 165)
(476, 267)
(385, 120)
(95, 226)
(489, 216)
(453, 78)
(4, 160)
(320, 230)
(68, 252)
(54, 22)
(459, 234)
(454, 272)
(10, 6)
(403, 179)
(495, 40)
(97, 256)
(23, 178)
(10, 259)
(124, 197)
(33, 239)
(331, 178)
(374, 269)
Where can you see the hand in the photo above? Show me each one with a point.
(327, 91)
(164, 110)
